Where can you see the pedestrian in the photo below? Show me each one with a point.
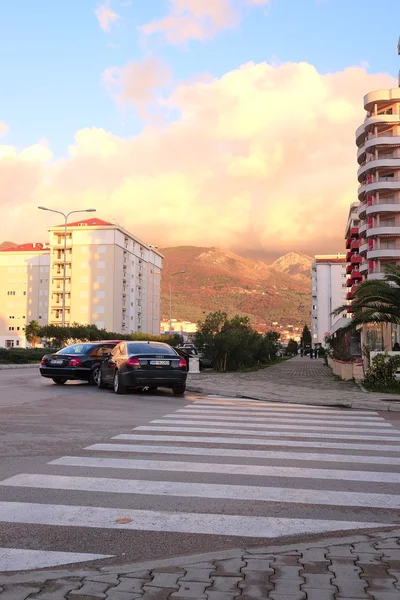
(311, 353)
(301, 352)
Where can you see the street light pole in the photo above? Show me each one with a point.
(65, 215)
(170, 297)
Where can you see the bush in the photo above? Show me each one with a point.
(382, 372)
(20, 356)
(232, 344)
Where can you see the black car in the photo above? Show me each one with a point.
(143, 365)
(78, 362)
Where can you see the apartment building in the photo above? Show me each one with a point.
(112, 278)
(24, 289)
(378, 142)
(328, 292)
(353, 257)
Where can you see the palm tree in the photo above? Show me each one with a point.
(376, 300)
(32, 333)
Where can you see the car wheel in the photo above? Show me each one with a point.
(100, 383)
(60, 380)
(94, 376)
(179, 390)
(119, 387)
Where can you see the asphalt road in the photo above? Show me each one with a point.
(185, 475)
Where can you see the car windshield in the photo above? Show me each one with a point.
(150, 348)
(77, 349)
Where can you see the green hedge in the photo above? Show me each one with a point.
(20, 356)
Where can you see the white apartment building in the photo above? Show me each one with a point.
(328, 292)
(24, 290)
(112, 278)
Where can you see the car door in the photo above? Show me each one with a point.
(108, 365)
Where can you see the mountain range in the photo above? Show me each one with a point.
(217, 279)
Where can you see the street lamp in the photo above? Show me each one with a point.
(170, 297)
(65, 215)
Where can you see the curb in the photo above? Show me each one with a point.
(369, 404)
(23, 366)
(46, 575)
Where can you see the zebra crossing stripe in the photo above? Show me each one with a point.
(278, 434)
(226, 469)
(205, 490)
(21, 559)
(175, 522)
(275, 415)
(240, 441)
(283, 421)
(250, 454)
(247, 425)
(278, 406)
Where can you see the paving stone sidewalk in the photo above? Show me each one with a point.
(353, 568)
(298, 380)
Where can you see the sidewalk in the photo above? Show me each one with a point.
(298, 380)
(351, 568)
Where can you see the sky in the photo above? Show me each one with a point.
(223, 123)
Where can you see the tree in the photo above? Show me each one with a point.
(292, 347)
(306, 337)
(376, 300)
(32, 333)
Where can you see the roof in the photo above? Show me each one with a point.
(29, 247)
(88, 223)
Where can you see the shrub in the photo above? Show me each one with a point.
(382, 372)
(20, 356)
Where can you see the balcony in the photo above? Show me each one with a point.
(356, 276)
(363, 248)
(387, 95)
(378, 275)
(355, 244)
(384, 253)
(383, 208)
(349, 296)
(349, 269)
(382, 140)
(348, 243)
(356, 259)
(349, 309)
(349, 282)
(348, 256)
(363, 268)
(377, 231)
(354, 232)
(377, 164)
(362, 229)
(354, 288)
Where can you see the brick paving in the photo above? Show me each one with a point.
(362, 567)
(298, 380)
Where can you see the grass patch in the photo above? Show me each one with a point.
(391, 389)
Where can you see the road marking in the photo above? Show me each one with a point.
(176, 522)
(277, 434)
(254, 442)
(279, 406)
(274, 426)
(15, 559)
(226, 469)
(282, 420)
(275, 414)
(229, 452)
(204, 490)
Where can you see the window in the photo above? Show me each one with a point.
(9, 343)
(100, 294)
(11, 329)
(101, 249)
(387, 244)
(101, 279)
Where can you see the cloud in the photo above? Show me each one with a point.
(263, 158)
(106, 16)
(136, 82)
(3, 129)
(197, 19)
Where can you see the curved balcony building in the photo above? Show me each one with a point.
(378, 141)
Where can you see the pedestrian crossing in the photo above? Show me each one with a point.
(235, 470)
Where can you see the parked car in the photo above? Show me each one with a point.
(143, 365)
(77, 362)
(191, 349)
